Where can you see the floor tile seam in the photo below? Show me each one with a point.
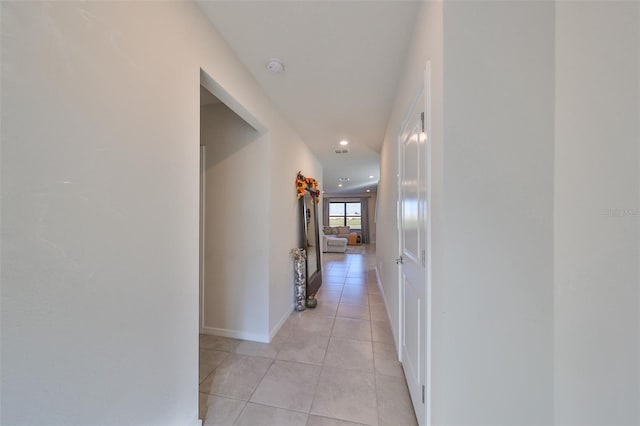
(235, 398)
(261, 379)
(214, 349)
(342, 418)
(351, 338)
(244, 407)
(304, 364)
(258, 356)
(387, 375)
(264, 404)
(315, 391)
(375, 385)
(212, 371)
(235, 419)
(335, 418)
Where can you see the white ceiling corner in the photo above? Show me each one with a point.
(342, 62)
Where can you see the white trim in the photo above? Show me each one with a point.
(280, 323)
(235, 334)
(203, 215)
(221, 93)
(386, 308)
(428, 283)
(197, 422)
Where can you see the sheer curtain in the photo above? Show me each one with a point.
(364, 218)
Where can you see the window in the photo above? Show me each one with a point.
(345, 214)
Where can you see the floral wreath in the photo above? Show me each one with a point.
(307, 184)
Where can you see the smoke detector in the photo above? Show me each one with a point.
(275, 66)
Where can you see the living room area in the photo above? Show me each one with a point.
(348, 222)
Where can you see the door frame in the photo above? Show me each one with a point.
(425, 91)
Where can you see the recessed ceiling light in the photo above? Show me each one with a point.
(339, 185)
(344, 142)
(370, 176)
(275, 66)
(368, 190)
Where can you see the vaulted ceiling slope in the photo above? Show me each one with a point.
(342, 62)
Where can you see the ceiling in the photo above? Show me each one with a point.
(342, 61)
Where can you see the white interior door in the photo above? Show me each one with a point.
(414, 254)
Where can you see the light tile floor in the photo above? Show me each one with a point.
(335, 365)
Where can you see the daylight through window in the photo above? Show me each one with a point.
(345, 214)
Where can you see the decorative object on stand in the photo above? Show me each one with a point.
(300, 277)
(312, 302)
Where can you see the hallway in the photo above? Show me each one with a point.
(333, 365)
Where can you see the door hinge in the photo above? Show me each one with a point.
(424, 258)
(423, 394)
(422, 120)
(400, 260)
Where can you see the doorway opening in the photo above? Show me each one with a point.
(232, 152)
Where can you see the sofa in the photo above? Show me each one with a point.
(341, 232)
(333, 244)
(336, 231)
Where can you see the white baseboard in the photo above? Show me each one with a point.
(197, 422)
(236, 334)
(384, 300)
(280, 323)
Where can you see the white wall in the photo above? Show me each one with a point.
(535, 211)
(235, 268)
(426, 45)
(597, 214)
(492, 170)
(287, 157)
(100, 177)
(498, 201)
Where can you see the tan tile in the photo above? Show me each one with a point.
(355, 296)
(306, 348)
(346, 395)
(355, 280)
(265, 350)
(218, 343)
(373, 289)
(310, 321)
(209, 360)
(332, 282)
(236, 377)
(353, 299)
(385, 360)
(381, 332)
(350, 328)
(328, 421)
(349, 354)
(202, 405)
(289, 385)
(354, 290)
(256, 414)
(394, 402)
(378, 313)
(217, 410)
(375, 299)
(329, 295)
(349, 310)
(324, 308)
